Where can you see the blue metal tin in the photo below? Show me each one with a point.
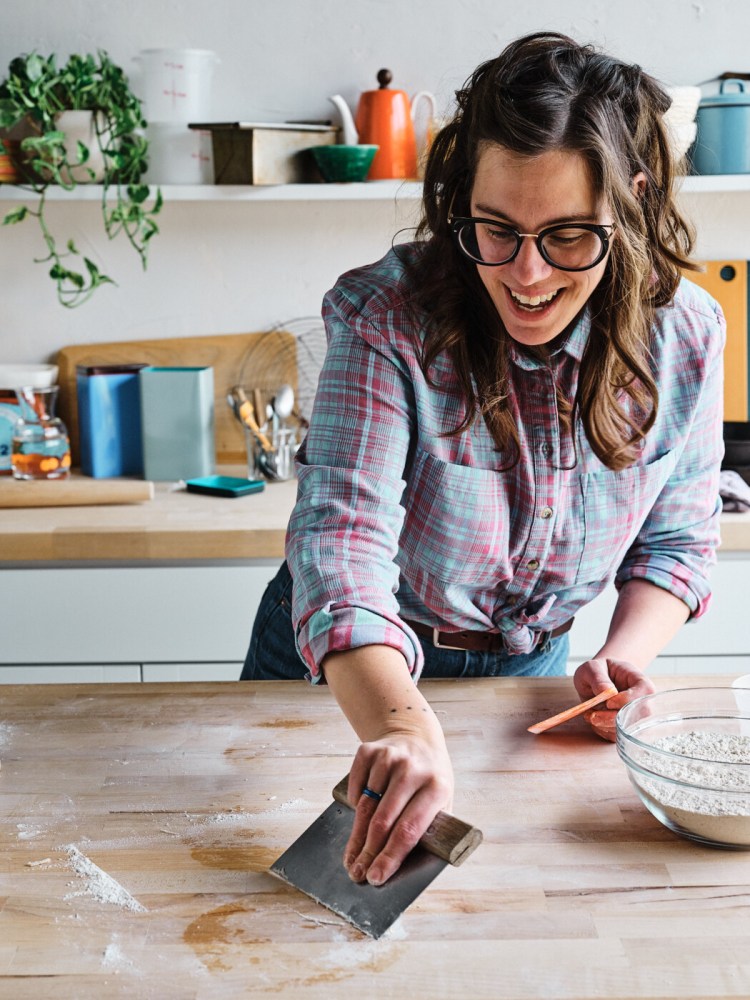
(722, 145)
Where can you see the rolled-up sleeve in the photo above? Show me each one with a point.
(343, 534)
(677, 543)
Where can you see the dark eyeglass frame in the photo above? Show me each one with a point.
(457, 223)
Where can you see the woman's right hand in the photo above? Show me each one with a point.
(411, 771)
(403, 758)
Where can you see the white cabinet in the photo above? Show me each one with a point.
(718, 642)
(193, 623)
(69, 673)
(157, 672)
(128, 623)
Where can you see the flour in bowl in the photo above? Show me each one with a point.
(719, 810)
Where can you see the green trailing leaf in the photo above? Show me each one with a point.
(33, 95)
(16, 215)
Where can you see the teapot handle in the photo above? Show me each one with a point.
(423, 95)
(351, 136)
(425, 131)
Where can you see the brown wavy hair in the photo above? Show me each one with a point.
(546, 92)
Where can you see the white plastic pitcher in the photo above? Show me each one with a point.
(178, 154)
(176, 84)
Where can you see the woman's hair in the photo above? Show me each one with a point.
(546, 92)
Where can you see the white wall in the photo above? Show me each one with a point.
(220, 268)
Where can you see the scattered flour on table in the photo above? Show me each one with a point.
(239, 818)
(115, 960)
(355, 953)
(99, 884)
(28, 831)
(707, 812)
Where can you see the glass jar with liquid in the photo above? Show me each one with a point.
(41, 446)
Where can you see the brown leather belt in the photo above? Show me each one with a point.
(482, 642)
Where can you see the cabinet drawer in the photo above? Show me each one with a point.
(68, 673)
(191, 671)
(170, 614)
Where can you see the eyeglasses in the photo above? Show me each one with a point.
(567, 246)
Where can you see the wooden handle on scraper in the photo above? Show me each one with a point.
(447, 836)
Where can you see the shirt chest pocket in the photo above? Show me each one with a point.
(455, 528)
(612, 507)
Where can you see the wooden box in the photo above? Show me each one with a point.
(256, 153)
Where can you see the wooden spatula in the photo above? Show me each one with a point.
(570, 713)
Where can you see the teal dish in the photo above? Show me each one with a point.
(342, 164)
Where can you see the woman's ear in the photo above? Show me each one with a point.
(638, 184)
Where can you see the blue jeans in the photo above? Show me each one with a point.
(272, 655)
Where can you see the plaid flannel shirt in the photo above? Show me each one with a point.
(392, 519)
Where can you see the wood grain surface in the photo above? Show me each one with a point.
(185, 794)
(174, 525)
(75, 491)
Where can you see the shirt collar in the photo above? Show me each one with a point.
(573, 344)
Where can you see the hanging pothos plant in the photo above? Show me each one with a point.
(32, 99)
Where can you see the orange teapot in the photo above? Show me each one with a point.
(384, 118)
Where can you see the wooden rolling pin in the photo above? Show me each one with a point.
(72, 492)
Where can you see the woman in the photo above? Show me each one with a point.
(515, 410)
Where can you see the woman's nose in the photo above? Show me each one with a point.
(529, 266)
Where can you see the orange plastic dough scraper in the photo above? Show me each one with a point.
(570, 713)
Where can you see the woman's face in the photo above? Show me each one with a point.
(529, 194)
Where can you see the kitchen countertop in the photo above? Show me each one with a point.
(179, 526)
(183, 795)
(175, 525)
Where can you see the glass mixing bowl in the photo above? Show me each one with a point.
(687, 753)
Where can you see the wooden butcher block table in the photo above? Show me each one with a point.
(160, 808)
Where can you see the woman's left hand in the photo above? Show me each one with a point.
(598, 674)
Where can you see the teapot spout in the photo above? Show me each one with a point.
(351, 136)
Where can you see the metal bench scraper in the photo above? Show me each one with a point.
(314, 864)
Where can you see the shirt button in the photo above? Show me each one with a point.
(545, 512)
(532, 564)
(545, 449)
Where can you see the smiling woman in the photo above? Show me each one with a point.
(517, 409)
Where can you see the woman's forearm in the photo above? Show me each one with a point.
(645, 619)
(373, 686)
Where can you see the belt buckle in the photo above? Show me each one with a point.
(543, 640)
(442, 645)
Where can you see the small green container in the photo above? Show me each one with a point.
(340, 164)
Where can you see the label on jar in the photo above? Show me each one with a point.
(10, 411)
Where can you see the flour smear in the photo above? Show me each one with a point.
(718, 812)
(98, 883)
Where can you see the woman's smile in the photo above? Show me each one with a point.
(538, 302)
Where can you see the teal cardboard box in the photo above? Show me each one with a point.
(177, 422)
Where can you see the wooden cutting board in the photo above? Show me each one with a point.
(227, 354)
(72, 492)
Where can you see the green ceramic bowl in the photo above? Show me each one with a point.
(344, 163)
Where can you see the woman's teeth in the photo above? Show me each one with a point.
(533, 301)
